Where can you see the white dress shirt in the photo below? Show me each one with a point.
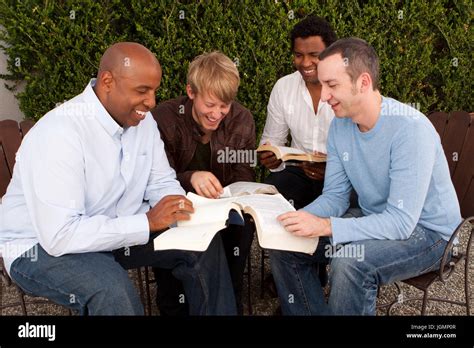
(290, 109)
(82, 183)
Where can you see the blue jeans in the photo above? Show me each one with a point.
(357, 270)
(92, 283)
(98, 284)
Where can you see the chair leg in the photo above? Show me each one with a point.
(399, 299)
(21, 296)
(467, 292)
(468, 301)
(147, 290)
(262, 273)
(467, 278)
(424, 303)
(140, 285)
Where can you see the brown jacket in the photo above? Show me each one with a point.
(180, 133)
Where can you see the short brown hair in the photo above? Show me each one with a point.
(360, 57)
(215, 74)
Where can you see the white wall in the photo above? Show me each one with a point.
(8, 104)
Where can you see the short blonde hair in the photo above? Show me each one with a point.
(216, 74)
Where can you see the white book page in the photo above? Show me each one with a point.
(284, 150)
(240, 188)
(209, 217)
(271, 234)
(208, 210)
(188, 238)
(276, 203)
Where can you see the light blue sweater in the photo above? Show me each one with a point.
(399, 171)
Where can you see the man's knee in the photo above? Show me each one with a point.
(343, 264)
(274, 179)
(344, 269)
(283, 257)
(215, 248)
(276, 256)
(116, 297)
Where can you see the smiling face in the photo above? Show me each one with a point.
(306, 57)
(129, 75)
(131, 96)
(337, 88)
(208, 110)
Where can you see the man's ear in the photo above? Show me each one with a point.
(106, 80)
(190, 92)
(365, 82)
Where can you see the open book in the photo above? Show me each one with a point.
(291, 154)
(211, 215)
(241, 188)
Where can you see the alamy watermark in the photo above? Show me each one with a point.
(37, 331)
(15, 250)
(228, 155)
(356, 251)
(402, 109)
(76, 109)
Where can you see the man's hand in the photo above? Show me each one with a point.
(169, 210)
(269, 160)
(206, 184)
(302, 223)
(314, 170)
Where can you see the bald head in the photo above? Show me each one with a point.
(124, 57)
(129, 75)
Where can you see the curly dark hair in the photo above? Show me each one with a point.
(313, 26)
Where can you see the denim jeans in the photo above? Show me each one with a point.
(92, 283)
(97, 283)
(357, 270)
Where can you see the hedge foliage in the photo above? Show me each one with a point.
(426, 49)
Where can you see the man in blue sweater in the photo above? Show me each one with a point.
(392, 156)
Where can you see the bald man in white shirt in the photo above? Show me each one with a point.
(92, 177)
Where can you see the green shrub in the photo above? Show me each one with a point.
(426, 49)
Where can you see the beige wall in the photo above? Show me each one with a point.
(8, 104)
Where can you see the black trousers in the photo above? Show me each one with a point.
(237, 242)
(295, 186)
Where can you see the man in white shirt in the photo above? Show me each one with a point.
(85, 178)
(295, 107)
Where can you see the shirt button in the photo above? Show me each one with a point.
(126, 156)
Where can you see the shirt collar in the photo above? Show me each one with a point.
(300, 79)
(101, 114)
(189, 119)
(305, 92)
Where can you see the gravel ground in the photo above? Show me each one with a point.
(453, 289)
